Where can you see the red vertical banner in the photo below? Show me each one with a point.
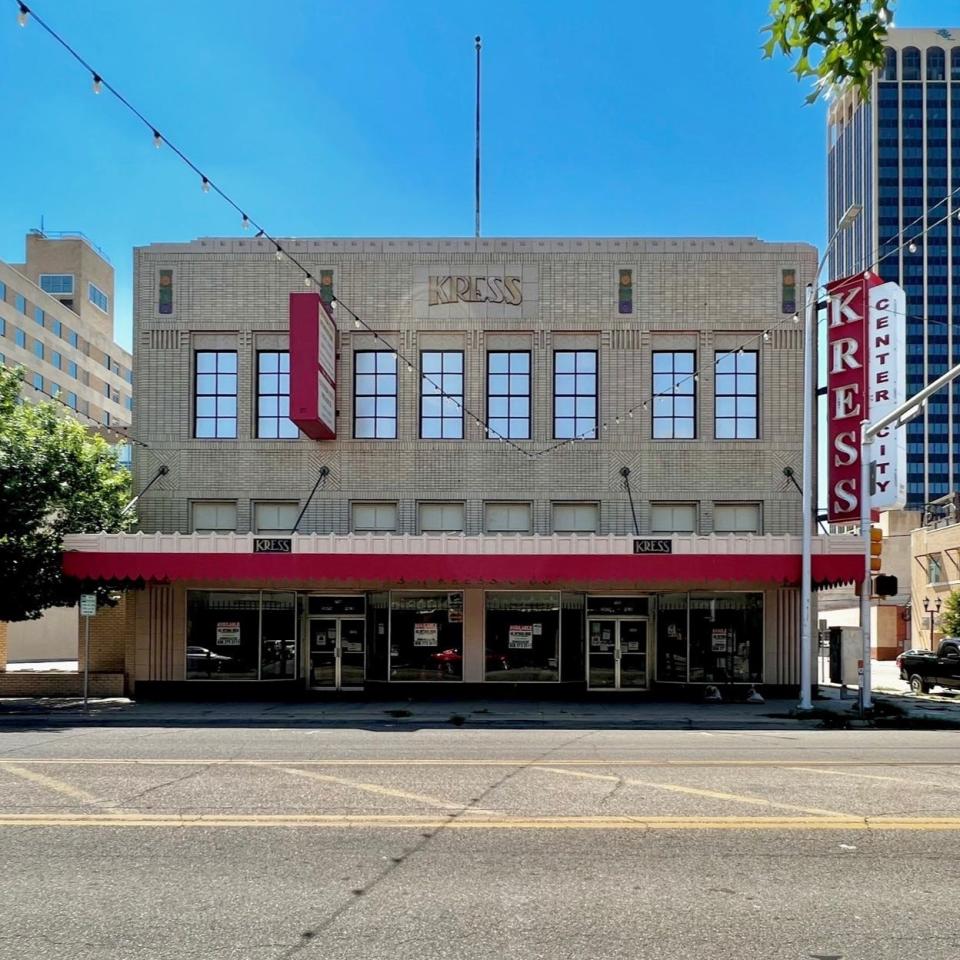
(847, 401)
(313, 366)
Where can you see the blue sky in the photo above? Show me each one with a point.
(356, 119)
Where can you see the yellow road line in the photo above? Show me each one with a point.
(50, 783)
(585, 762)
(383, 791)
(698, 792)
(873, 776)
(227, 820)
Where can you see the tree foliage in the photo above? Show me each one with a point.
(835, 41)
(56, 478)
(950, 615)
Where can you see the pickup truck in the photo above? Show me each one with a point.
(924, 669)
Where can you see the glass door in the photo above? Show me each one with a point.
(602, 654)
(632, 654)
(617, 655)
(352, 653)
(322, 636)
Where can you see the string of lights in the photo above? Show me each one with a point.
(282, 252)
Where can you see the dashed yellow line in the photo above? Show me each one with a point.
(391, 822)
(699, 792)
(49, 783)
(375, 788)
(418, 762)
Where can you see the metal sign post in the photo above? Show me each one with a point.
(88, 609)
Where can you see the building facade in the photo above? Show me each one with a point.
(56, 323)
(554, 462)
(898, 156)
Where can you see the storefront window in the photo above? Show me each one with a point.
(726, 638)
(426, 636)
(672, 638)
(223, 635)
(278, 645)
(522, 636)
(233, 635)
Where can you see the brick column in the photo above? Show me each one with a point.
(110, 631)
(3, 645)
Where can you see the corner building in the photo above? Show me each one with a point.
(660, 550)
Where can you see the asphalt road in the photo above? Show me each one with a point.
(223, 842)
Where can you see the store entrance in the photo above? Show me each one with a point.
(616, 654)
(337, 651)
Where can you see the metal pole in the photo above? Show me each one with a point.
(625, 473)
(477, 161)
(866, 446)
(806, 496)
(86, 664)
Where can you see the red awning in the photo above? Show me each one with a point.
(463, 569)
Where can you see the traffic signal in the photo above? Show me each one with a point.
(885, 586)
(876, 548)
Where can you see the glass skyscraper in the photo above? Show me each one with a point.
(898, 156)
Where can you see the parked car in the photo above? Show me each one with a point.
(924, 669)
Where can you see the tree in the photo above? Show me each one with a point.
(838, 41)
(56, 477)
(950, 617)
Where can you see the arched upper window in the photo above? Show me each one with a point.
(911, 63)
(936, 64)
(889, 71)
(955, 63)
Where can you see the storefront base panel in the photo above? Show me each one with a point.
(198, 691)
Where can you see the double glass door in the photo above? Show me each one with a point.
(337, 652)
(616, 654)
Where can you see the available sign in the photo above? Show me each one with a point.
(866, 377)
(520, 638)
(424, 634)
(228, 633)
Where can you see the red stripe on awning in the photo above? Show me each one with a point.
(460, 568)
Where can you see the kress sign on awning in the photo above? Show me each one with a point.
(866, 377)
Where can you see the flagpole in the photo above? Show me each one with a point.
(477, 162)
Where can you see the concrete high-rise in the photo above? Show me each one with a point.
(898, 156)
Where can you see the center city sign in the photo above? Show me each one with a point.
(865, 377)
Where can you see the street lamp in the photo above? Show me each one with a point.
(933, 611)
(806, 494)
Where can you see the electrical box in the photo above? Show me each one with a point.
(846, 651)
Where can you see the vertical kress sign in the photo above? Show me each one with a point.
(866, 377)
(313, 366)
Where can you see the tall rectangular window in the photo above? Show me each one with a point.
(441, 394)
(57, 327)
(21, 303)
(97, 297)
(60, 283)
(38, 348)
(736, 395)
(674, 395)
(375, 394)
(38, 382)
(38, 315)
(72, 401)
(72, 368)
(19, 337)
(57, 360)
(508, 393)
(273, 396)
(575, 394)
(215, 395)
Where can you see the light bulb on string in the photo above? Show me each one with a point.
(766, 336)
(157, 139)
(356, 322)
(307, 280)
(630, 413)
(409, 368)
(912, 247)
(97, 83)
(245, 223)
(205, 185)
(333, 303)
(279, 252)
(22, 15)
(616, 420)
(796, 318)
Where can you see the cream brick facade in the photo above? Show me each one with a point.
(704, 294)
